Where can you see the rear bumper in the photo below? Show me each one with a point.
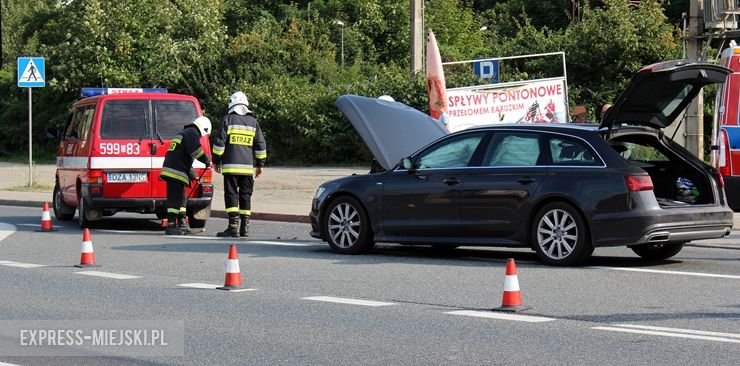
(732, 192)
(148, 204)
(658, 225)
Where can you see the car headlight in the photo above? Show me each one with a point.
(319, 192)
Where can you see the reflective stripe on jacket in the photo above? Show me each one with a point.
(239, 145)
(184, 148)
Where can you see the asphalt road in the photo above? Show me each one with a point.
(310, 306)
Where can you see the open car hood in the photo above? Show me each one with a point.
(659, 93)
(391, 130)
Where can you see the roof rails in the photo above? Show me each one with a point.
(91, 92)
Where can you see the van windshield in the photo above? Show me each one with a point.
(171, 116)
(125, 119)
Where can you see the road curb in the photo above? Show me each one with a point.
(264, 216)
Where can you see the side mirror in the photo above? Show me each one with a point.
(407, 164)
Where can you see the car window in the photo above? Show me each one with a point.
(125, 119)
(569, 151)
(513, 149)
(170, 116)
(454, 152)
(84, 127)
(638, 152)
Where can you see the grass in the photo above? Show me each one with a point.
(36, 187)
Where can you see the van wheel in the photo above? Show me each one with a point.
(657, 251)
(86, 216)
(62, 211)
(197, 219)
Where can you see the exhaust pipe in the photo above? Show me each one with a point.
(727, 232)
(658, 237)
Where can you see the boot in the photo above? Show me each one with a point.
(182, 223)
(172, 228)
(231, 231)
(244, 226)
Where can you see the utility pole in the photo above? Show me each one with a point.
(694, 132)
(417, 35)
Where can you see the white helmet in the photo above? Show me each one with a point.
(386, 97)
(203, 124)
(238, 98)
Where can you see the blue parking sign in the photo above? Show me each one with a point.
(487, 70)
(31, 72)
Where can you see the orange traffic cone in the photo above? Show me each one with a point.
(163, 225)
(512, 300)
(233, 274)
(87, 258)
(46, 224)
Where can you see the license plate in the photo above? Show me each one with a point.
(124, 177)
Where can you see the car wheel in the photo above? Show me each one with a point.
(347, 226)
(560, 235)
(62, 211)
(657, 251)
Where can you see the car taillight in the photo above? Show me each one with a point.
(207, 189)
(95, 176)
(637, 183)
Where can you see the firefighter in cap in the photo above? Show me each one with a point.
(177, 171)
(239, 152)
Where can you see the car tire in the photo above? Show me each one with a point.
(560, 236)
(347, 226)
(658, 251)
(62, 211)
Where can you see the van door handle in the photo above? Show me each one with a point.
(153, 148)
(526, 180)
(452, 181)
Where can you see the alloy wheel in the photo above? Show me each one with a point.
(557, 234)
(344, 225)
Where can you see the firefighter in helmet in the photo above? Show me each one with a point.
(177, 171)
(239, 152)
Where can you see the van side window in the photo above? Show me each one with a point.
(83, 129)
(125, 119)
(72, 129)
(170, 116)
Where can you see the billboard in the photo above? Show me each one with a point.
(542, 101)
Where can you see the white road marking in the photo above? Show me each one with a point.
(7, 364)
(6, 230)
(209, 286)
(340, 300)
(696, 274)
(20, 265)
(277, 243)
(502, 316)
(679, 333)
(116, 276)
(679, 330)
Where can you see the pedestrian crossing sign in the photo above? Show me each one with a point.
(31, 72)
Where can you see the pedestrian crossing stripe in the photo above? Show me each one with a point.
(31, 72)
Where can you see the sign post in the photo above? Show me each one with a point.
(31, 74)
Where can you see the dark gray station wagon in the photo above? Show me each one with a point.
(559, 189)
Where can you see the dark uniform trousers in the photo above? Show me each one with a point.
(175, 195)
(238, 193)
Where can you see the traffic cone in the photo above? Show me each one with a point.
(87, 258)
(163, 225)
(46, 224)
(233, 275)
(512, 300)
